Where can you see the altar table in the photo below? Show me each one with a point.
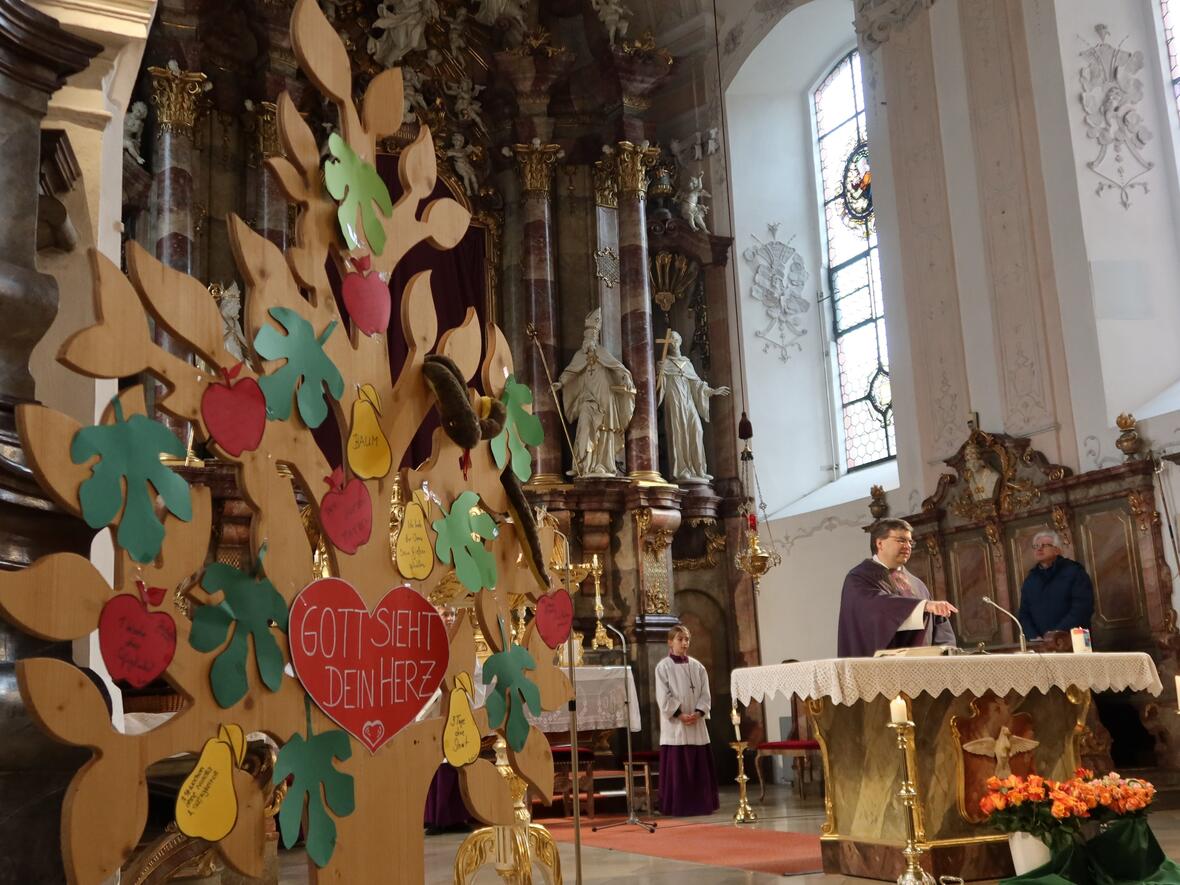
(952, 701)
(601, 702)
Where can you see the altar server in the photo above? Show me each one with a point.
(688, 783)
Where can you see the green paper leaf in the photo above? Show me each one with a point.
(251, 606)
(460, 537)
(356, 185)
(521, 429)
(512, 688)
(306, 360)
(310, 761)
(131, 449)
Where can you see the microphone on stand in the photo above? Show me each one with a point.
(995, 605)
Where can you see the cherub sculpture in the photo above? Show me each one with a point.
(467, 106)
(615, 17)
(463, 157)
(688, 201)
(133, 130)
(403, 29)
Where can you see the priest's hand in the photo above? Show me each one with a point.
(940, 608)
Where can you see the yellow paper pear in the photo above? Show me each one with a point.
(368, 449)
(415, 556)
(207, 805)
(461, 735)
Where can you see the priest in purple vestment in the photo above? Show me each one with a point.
(885, 606)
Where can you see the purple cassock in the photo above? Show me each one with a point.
(688, 781)
(875, 603)
(444, 801)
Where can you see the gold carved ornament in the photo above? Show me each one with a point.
(645, 46)
(606, 182)
(714, 543)
(654, 572)
(175, 94)
(262, 122)
(634, 161)
(1145, 518)
(536, 165)
(672, 277)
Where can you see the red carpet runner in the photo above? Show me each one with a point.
(763, 851)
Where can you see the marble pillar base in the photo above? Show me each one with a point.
(32, 296)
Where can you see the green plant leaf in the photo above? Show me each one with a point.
(511, 689)
(460, 537)
(310, 761)
(131, 450)
(357, 186)
(521, 429)
(250, 608)
(306, 360)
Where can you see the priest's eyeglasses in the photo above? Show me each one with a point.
(904, 542)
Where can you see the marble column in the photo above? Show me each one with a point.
(536, 162)
(36, 57)
(606, 256)
(643, 456)
(268, 208)
(175, 96)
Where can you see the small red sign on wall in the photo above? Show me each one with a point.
(371, 672)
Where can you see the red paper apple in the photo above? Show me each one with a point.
(346, 513)
(366, 295)
(136, 645)
(234, 413)
(555, 617)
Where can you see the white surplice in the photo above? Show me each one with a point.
(683, 688)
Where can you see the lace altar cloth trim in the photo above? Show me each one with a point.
(848, 680)
(601, 702)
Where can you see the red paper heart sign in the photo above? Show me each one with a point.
(346, 513)
(136, 645)
(371, 672)
(555, 617)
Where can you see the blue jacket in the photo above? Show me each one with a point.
(1059, 597)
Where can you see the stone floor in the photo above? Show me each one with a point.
(782, 811)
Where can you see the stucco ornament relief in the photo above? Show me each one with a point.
(1111, 92)
(875, 20)
(779, 277)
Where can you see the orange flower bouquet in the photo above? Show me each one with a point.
(1050, 810)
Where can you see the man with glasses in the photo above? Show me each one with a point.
(885, 606)
(1057, 594)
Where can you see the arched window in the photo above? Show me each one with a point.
(845, 184)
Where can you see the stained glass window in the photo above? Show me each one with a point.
(853, 271)
(1167, 9)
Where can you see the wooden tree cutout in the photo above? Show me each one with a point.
(371, 822)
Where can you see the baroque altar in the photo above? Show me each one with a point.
(975, 716)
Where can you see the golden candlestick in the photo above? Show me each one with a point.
(913, 873)
(744, 814)
(601, 639)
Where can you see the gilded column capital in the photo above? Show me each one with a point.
(634, 161)
(175, 94)
(536, 165)
(262, 122)
(606, 180)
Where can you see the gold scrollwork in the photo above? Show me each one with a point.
(714, 544)
(536, 166)
(175, 94)
(1061, 517)
(538, 43)
(262, 123)
(672, 277)
(815, 708)
(1145, 518)
(634, 161)
(646, 46)
(1083, 738)
(655, 586)
(642, 520)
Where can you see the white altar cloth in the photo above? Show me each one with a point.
(848, 680)
(600, 702)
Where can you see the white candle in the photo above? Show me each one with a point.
(1178, 692)
(899, 713)
(736, 719)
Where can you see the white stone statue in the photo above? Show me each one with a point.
(712, 141)
(461, 155)
(457, 35)
(615, 17)
(598, 393)
(676, 149)
(467, 106)
(697, 146)
(492, 12)
(412, 91)
(230, 305)
(133, 130)
(688, 201)
(403, 27)
(685, 398)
